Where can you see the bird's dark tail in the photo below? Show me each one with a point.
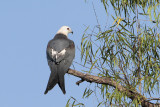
(53, 79)
(61, 81)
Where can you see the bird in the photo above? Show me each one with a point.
(60, 54)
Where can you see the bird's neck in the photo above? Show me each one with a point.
(60, 35)
(62, 32)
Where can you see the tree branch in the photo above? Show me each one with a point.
(80, 81)
(109, 81)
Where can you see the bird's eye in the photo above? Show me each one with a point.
(67, 28)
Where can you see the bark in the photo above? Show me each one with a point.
(109, 81)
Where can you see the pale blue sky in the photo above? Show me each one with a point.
(26, 26)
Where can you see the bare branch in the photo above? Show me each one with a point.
(132, 94)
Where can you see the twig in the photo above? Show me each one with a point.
(96, 17)
(153, 99)
(80, 81)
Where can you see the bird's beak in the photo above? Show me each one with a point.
(72, 32)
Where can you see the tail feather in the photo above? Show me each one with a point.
(61, 83)
(53, 79)
(57, 76)
(51, 83)
(61, 72)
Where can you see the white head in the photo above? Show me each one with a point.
(65, 30)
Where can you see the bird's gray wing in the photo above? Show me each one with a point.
(59, 49)
(65, 64)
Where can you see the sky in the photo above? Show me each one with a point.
(26, 26)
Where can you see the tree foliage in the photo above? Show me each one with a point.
(128, 52)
